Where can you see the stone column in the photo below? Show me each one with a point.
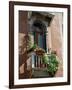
(48, 39)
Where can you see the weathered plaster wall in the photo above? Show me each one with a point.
(55, 30)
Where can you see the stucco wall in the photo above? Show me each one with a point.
(56, 41)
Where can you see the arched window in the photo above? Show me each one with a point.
(39, 31)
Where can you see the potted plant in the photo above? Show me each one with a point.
(53, 65)
(45, 58)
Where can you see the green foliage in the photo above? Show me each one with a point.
(45, 59)
(29, 42)
(52, 62)
(34, 46)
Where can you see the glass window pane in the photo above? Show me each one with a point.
(40, 41)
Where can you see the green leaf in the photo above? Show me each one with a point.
(53, 64)
(45, 59)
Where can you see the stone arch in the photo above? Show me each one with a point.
(39, 25)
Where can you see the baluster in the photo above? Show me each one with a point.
(40, 62)
(35, 60)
